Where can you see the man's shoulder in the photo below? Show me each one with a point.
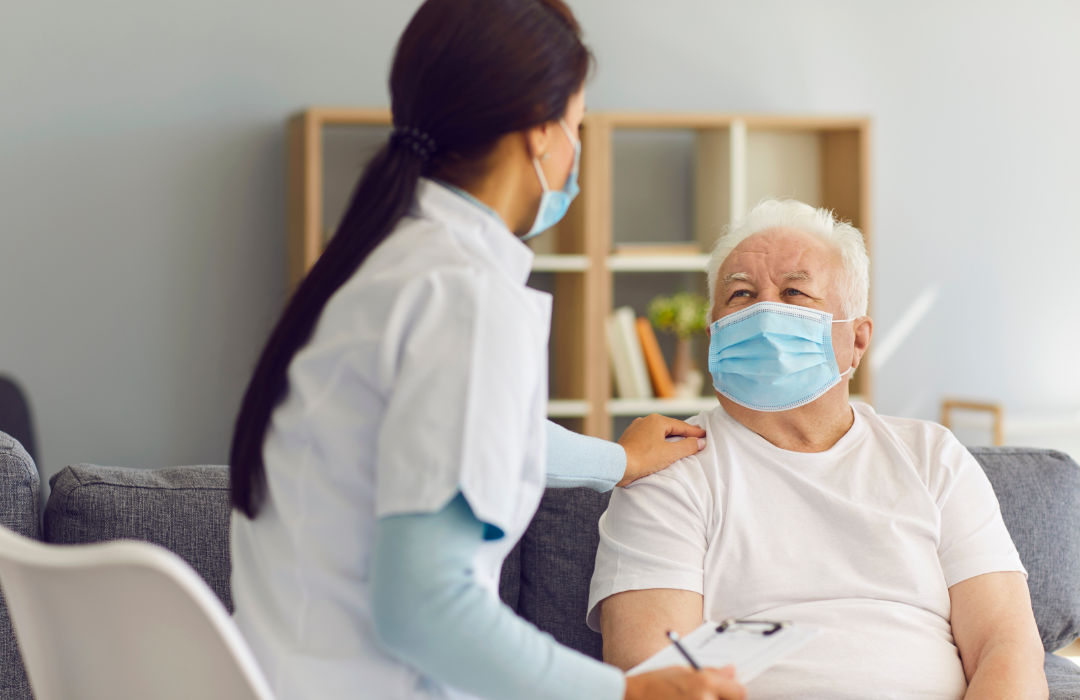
(909, 428)
(931, 446)
(698, 471)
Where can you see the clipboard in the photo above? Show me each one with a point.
(751, 645)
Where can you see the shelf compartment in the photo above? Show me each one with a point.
(668, 407)
(561, 263)
(567, 408)
(659, 263)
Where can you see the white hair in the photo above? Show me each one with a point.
(845, 239)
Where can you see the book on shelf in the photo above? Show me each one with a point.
(627, 358)
(657, 249)
(662, 383)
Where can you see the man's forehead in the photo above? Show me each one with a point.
(787, 253)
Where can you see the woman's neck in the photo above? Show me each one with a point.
(506, 185)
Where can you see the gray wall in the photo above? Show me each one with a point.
(142, 169)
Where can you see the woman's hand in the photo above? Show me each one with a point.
(648, 450)
(678, 683)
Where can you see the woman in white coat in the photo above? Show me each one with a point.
(392, 445)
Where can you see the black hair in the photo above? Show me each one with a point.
(465, 73)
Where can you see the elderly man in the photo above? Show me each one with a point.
(882, 531)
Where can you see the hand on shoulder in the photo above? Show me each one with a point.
(648, 449)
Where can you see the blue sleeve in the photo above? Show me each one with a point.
(577, 460)
(429, 612)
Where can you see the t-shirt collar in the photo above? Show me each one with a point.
(480, 231)
(852, 437)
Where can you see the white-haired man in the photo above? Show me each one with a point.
(883, 531)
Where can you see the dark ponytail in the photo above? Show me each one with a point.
(466, 72)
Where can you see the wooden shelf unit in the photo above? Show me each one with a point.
(737, 160)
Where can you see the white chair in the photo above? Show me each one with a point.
(122, 621)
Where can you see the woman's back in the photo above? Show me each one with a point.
(410, 340)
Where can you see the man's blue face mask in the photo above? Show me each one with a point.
(773, 357)
(555, 203)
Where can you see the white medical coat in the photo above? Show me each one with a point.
(426, 375)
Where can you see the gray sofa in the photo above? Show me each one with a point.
(546, 578)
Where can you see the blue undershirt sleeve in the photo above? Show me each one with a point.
(577, 460)
(429, 611)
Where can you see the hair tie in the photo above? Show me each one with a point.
(412, 139)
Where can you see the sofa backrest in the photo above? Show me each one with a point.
(557, 554)
(546, 578)
(184, 509)
(1039, 493)
(20, 510)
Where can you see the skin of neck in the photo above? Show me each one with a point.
(789, 266)
(509, 183)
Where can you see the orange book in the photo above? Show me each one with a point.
(654, 360)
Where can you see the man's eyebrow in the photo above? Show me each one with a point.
(798, 276)
(733, 277)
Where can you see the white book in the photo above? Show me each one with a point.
(620, 360)
(638, 368)
(627, 336)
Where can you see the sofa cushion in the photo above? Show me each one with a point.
(510, 580)
(184, 509)
(1039, 492)
(1062, 677)
(20, 511)
(558, 553)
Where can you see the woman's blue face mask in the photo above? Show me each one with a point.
(774, 357)
(555, 203)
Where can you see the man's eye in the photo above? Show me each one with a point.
(741, 293)
(793, 292)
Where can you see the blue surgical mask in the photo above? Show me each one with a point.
(555, 203)
(773, 357)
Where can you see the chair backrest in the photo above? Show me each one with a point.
(122, 621)
(15, 415)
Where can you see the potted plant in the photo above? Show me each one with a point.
(684, 316)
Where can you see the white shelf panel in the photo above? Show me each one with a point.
(560, 263)
(567, 408)
(668, 407)
(657, 263)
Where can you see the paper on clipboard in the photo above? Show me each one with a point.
(744, 645)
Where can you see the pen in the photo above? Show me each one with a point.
(674, 637)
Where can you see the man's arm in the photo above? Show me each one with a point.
(635, 623)
(995, 632)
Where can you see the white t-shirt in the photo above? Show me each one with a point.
(426, 375)
(863, 540)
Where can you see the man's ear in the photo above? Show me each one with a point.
(864, 331)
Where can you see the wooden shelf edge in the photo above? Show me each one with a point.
(675, 407)
(706, 120)
(568, 408)
(657, 263)
(350, 115)
(561, 263)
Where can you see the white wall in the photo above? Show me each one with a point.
(142, 170)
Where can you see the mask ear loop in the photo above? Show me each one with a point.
(540, 174)
(566, 130)
(845, 320)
